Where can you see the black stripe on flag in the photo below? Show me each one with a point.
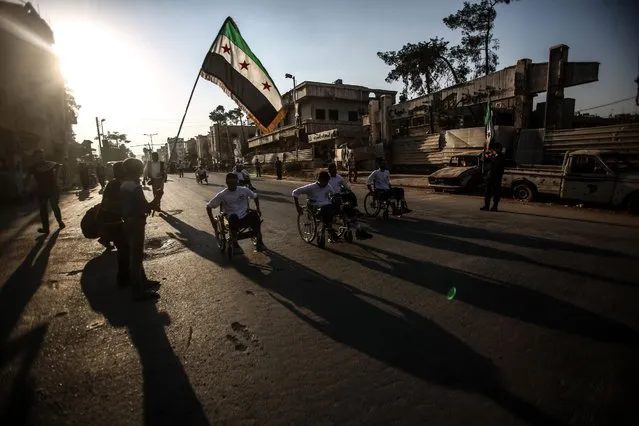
(245, 92)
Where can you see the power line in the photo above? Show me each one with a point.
(605, 105)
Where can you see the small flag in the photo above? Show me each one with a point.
(232, 65)
(488, 122)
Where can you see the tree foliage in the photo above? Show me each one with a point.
(478, 43)
(219, 115)
(426, 66)
(72, 105)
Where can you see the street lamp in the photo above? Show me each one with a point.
(297, 123)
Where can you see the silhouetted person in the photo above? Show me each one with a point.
(100, 173)
(155, 172)
(135, 208)
(46, 177)
(494, 171)
(85, 180)
(258, 168)
(278, 168)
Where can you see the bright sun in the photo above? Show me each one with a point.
(100, 65)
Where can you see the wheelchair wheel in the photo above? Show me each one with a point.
(220, 237)
(307, 226)
(348, 236)
(371, 205)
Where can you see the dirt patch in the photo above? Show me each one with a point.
(161, 246)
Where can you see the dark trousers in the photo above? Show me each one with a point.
(251, 220)
(352, 174)
(279, 174)
(326, 213)
(157, 184)
(43, 201)
(258, 171)
(181, 170)
(134, 241)
(493, 190)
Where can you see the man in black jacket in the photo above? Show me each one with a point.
(494, 171)
(46, 177)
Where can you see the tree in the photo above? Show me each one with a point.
(478, 44)
(236, 116)
(70, 102)
(425, 67)
(221, 117)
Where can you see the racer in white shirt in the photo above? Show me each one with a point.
(243, 177)
(233, 202)
(379, 181)
(348, 197)
(319, 196)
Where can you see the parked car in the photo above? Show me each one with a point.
(592, 176)
(463, 173)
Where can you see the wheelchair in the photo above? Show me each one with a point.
(311, 227)
(225, 240)
(376, 201)
(201, 176)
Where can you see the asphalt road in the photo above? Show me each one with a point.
(543, 329)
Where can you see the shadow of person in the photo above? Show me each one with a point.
(169, 398)
(419, 231)
(405, 340)
(15, 295)
(84, 195)
(199, 242)
(502, 298)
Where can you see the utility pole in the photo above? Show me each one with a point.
(150, 135)
(97, 126)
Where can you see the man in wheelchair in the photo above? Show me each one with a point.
(319, 198)
(233, 202)
(243, 177)
(338, 183)
(379, 181)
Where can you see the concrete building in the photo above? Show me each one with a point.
(33, 110)
(408, 132)
(163, 153)
(203, 144)
(177, 152)
(330, 114)
(229, 142)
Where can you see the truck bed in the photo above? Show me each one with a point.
(546, 179)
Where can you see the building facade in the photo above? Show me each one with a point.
(33, 108)
(328, 115)
(177, 150)
(229, 143)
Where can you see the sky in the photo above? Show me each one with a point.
(134, 62)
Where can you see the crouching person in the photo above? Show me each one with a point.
(134, 209)
(233, 202)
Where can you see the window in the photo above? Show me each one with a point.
(333, 114)
(353, 116)
(320, 114)
(586, 164)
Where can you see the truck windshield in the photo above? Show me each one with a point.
(618, 163)
(465, 161)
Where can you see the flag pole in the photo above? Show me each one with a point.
(186, 110)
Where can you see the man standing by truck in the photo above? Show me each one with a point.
(494, 171)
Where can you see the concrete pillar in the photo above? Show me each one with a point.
(523, 99)
(555, 87)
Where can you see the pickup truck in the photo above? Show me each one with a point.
(591, 176)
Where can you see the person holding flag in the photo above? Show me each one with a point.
(492, 164)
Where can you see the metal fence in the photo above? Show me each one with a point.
(621, 138)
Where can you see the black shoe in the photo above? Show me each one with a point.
(485, 208)
(43, 230)
(260, 247)
(61, 225)
(494, 209)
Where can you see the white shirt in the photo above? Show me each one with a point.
(316, 194)
(380, 179)
(242, 176)
(233, 202)
(336, 182)
(154, 170)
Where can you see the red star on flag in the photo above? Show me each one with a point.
(226, 48)
(266, 86)
(244, 65)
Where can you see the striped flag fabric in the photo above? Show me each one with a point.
(232, 65)
(488, 122)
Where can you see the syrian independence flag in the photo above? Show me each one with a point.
(232, 65)
(488, 122)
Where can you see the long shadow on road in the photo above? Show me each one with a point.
(449, 237)
(410, 343)
(15, 295)
(169, 398)
(502, 298)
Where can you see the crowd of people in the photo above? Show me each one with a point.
(124, 208)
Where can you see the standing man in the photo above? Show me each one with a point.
(181, 168)
(154, 171)
(352, 170)
(100, 173)
(258, 167)
(278, 168)
(134, 208)
(494, 172)
(45, 174)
